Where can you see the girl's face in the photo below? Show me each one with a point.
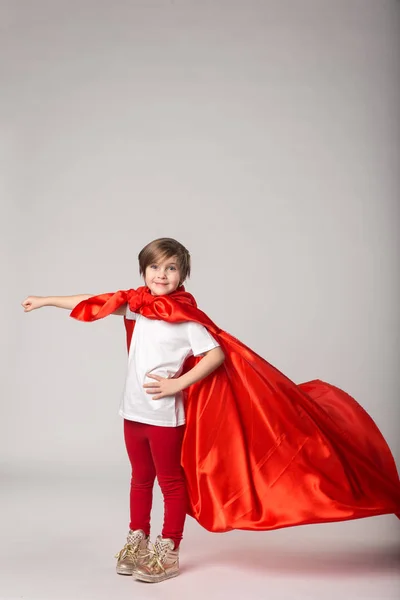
(163, 276)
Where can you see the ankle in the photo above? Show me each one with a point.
(177, 542)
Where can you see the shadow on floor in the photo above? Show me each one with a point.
(355, 562)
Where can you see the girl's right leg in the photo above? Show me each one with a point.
(143, 475)
(141, 495)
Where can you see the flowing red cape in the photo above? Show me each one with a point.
(259, 451)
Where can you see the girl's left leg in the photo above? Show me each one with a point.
(166, 447)
(163, 561)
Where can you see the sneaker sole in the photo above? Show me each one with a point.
(150, 579)
(124, 572)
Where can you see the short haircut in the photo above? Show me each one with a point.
(164, 248)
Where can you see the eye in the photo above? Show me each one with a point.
(153, 266)
(172, 268)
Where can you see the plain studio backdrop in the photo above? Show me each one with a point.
(264, 135)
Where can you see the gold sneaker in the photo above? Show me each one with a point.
(135, 549)
(161, 562)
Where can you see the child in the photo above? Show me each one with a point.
(258, 451)
(153, 410)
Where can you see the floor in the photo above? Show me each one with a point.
(59, 536)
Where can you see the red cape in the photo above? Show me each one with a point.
(259, 451)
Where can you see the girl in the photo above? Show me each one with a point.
(258, 451)
(153, 410)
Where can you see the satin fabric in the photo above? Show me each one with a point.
(261, 452)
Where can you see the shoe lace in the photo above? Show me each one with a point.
(130, 550)
(157, 555)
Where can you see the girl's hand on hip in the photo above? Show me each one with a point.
(162, 386)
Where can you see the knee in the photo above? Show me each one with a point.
(142, 483)
(172, 485)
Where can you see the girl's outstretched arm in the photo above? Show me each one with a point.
(68, 302)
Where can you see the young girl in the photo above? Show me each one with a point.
(232, 441)
(153, 409)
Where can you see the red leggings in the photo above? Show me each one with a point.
(156, 451)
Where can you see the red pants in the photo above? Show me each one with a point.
(156, 451)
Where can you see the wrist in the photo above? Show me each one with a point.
(47, 301)
(181, 383)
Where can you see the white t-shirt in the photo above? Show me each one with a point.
(161, 348)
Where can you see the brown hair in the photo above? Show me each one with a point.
(165, 248)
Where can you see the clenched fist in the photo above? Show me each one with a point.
(32, 302)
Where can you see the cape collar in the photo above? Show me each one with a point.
(142, 297)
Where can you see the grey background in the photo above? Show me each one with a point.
(264, 135)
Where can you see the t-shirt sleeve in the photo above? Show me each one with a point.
(129, 314)
(200, 340)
